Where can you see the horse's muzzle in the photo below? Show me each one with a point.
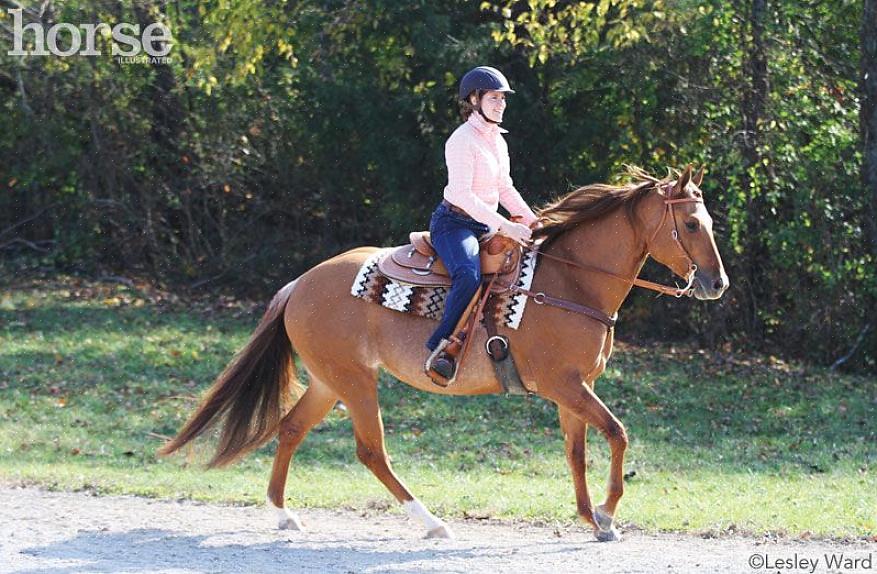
(708, 286)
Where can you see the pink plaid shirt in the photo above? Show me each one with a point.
(478, 173)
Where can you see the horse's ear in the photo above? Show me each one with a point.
(698, 177)
(683, 180)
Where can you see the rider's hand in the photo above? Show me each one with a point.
(516, 231)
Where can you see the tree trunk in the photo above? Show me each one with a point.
(755, 92)
(868, 122)
(868, 117)
(168, 117)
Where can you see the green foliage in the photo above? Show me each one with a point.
(281, 133)
(229, 23)
(574, 30)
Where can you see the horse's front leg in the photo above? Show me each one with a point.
(579, 400)
(575, 438)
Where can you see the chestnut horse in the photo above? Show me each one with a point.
(597, 239)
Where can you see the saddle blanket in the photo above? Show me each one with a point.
(507, 308)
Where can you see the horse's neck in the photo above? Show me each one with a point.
(609, 244)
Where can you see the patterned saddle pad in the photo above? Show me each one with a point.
(507, 308)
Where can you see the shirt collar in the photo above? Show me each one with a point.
(483, 126)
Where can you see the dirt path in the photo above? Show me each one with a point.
(61, 533)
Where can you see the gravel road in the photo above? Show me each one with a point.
(65, 533)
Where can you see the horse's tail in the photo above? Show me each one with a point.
(251, 395)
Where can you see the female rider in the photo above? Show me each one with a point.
(477, 157)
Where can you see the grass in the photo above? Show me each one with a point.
(93, 374)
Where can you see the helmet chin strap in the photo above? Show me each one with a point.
(485, 117)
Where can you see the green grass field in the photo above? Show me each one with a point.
(92, 375)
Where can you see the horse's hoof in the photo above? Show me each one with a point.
(609, 535)
(291, 522)
(443, 531)
(286, 520)
(602, 518)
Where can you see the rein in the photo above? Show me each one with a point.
(688, 290)
(609, 321)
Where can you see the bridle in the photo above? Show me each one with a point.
(688, 290)
(670, 213)
(669, 202)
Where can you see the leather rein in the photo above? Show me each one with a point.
(541, 298)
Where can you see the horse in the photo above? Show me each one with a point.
(595, 241)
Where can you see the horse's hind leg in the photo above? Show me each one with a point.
(310, 409)
(368, 427)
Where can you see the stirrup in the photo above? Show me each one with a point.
(444, 365)
(427, 366)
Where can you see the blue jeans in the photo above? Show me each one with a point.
(455, 238)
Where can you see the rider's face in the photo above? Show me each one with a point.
(493, 105)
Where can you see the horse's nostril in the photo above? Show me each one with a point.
(718, 284)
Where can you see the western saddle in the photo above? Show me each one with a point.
(418, 264)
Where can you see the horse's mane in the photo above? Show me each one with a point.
(595, 201)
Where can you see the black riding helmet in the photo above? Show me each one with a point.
(483, 78)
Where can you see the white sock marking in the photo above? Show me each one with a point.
(418, 511)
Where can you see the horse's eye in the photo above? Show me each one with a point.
(692, 225)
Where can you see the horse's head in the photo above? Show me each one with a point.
(680, 234)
